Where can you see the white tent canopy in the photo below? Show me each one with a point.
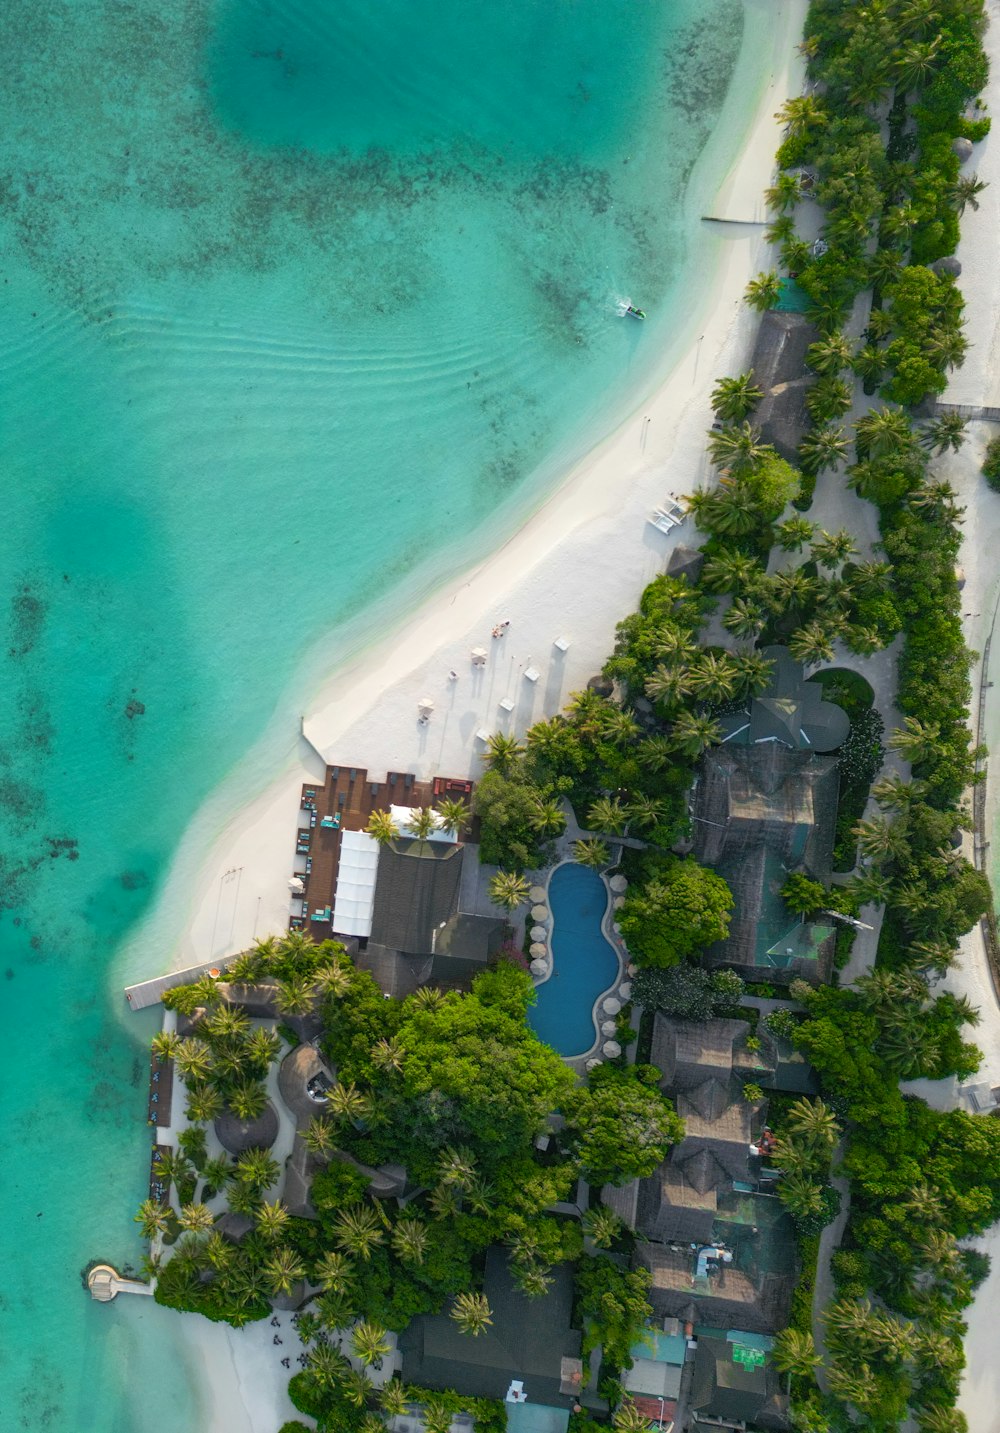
(355, 893)
(403, 815)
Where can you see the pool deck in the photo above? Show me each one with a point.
(613, 937)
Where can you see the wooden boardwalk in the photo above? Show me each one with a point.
(161, 1089)
(150, 992)
(967, 410)
(347, 797)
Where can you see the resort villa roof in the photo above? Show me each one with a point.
(685, 562)
(763, 812)
(237, 1136)
(530, 1340)
(297, 1069)
(752, 1292)
(735, 1380)
(779, 369)
(702, 1066)
(790, 710)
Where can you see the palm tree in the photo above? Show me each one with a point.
(421, 823)
(382, 827)
(502, 752)
(877, 838)
(608, 813)
(869, 365)
(548, 818)
(905, 1049)
(295, 996)
(428, 997)
(283, 1269)
(436, 1418)
(645, 812)
(214, 1174)
(937, 500)
(204, 1103)
(320, 1136)
(193, 1058)
(936, 956)
(871, 887)
(327, 1365)
(392, 1399)
(358, 1230)
(916, 740)
(830, 354)
(813, 1122)
(244, 1199)
(356, 1387)
(854, 1384)
(227, 1022)
(334, 1271)
(455, 816)
(472, 1313)
(831, 549)
(734, 399)
(728, 571)
(827, 399)
(964, 191)
(810, 645)
(348, 1102)
(753, 670)
(895, 793)
(591, 852)
(389, 1055)
(884, 431)
(257, 1169)
(409, 1240)
(272, 1220)
(870, 577)
(206, 992)
(332, 980)
(822, 448)
(884, 267)
(456, 1167)
(446, 1202)
(153, 1218)
(262, 1046)
(370, 1343)
(915, 63)
(174, 1167)
(943, 433)
(675, 643)
(802, 113)
(627, 1418)
(248, 1099)
(602, 1225)
(784, 193)
(743, 619)
(795, 1353)
(793, 587)
(508, 889)
(935, 1418)
(482, 1196)
(925, 1204)
(691, 733)
(196, 1218)
(733, 512)
(737, 448)
(164, 1044)
(668, 684)
(714, 678)
(763, 292)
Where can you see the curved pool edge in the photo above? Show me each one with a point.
(614, 941)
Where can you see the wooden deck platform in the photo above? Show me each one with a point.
(348, 797)
(150, 992)
(158, 1187)
(161, 1089)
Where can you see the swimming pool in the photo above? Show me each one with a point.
(584, 963)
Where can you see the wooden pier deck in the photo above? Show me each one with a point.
(150, 992)
(159, 1189)
(161, 1090)
(349, 797)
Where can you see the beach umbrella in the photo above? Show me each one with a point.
(538, 966)
(632, 969)
(611, 1005)
(618, 883)
(538, 932)
(478, 655)
(296, 885)
(539, 914)
(617, 903)
(536, 950)
(608, 1027)
(625, 990)
(536, 895)
(425, 704)
(593, 1064)
(612, 1049)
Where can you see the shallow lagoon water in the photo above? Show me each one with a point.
(295, 296)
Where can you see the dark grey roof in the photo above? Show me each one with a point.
(294, 1073)
(528, 1340)
(763, 812)
(793, 710)
(783, 418)
(299, 1168)
(685, 562)
(233, 1226)
(416, 892)
(752, 1293)
(723, 1387)
(779, 354)
(237, 1136)
(623, 1200)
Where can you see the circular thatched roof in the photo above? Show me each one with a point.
(237, 1136)
(303, 1064)
(601, 685)
(948, 265)
(962, 147)
(234, 1226)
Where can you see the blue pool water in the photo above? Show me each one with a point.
(583, 960)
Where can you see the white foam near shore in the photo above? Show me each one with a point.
(572, 571)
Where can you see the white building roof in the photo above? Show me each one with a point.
(403, 815)
(355, 893)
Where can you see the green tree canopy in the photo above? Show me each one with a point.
(620, 1125)
(680, 911)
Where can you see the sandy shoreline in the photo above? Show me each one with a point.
(573, 570)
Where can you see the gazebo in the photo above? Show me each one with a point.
(237, 1136)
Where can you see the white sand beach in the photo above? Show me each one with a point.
(572, 571)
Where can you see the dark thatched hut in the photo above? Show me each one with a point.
(237, 1136)
(298, 1069)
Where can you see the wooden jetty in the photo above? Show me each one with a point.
(161, 1091)
(150, 992)
(105, 1283)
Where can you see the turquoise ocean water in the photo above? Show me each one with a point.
(295, 295)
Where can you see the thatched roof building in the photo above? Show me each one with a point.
(302, 1078)
(779, 369)
(237, 1136)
